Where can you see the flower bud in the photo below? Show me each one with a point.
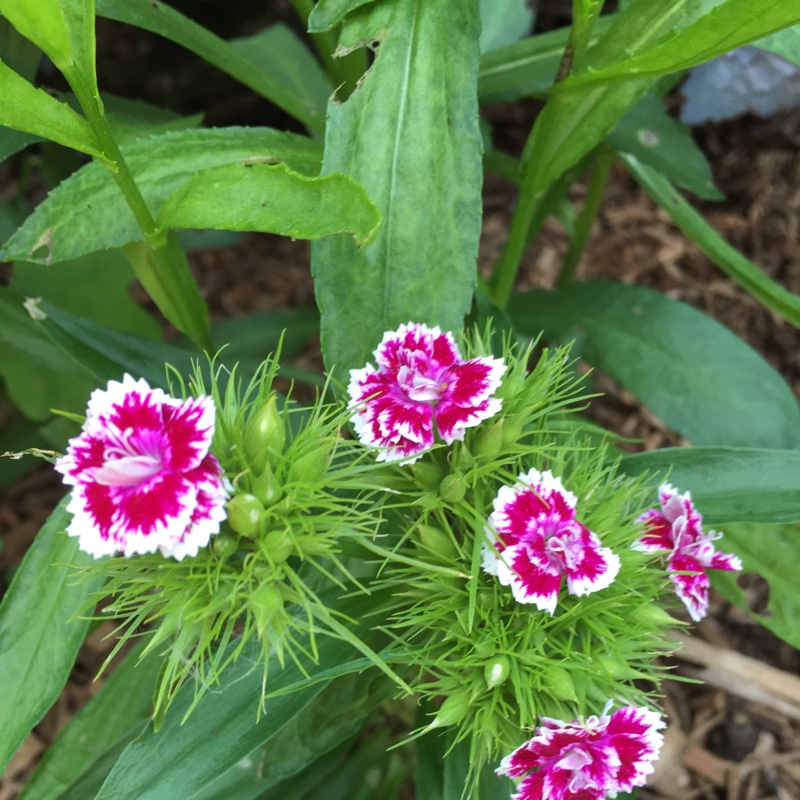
(614, 667)
(654, 615)
(224, 546)
(279, 545)
(244, 512)
(489, 442)
(465, 459)
(428, 474)
(264, 436)
(266, 602)
(266, 488)
(311, 467)
(453, 488)
(453, 710)
(312, 546)
(496, 670)
(560, 684)
(437, 542)
(513, 428)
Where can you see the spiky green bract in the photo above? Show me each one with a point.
(499, 664)
(300, 493)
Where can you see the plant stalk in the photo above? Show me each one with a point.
(603, 162)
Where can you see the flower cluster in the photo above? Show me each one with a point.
(677, 529)
(421, 380)
(589, 760)
(534, 538)
(141, 473)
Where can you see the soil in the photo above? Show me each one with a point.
(737, 735)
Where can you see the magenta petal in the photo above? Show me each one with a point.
(452, 420)
(587, 565)
(658, 535)
(189, 428)
(692, 587)
(726, 561)
(532, 580)
(634, 734)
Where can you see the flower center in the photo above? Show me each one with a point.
(128, 459)
(420, 388)
(576, 760)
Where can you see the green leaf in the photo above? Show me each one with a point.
(12, 141)
(86, 212)
(19, 53)
(665, 145)
(64, 29)
(730, 25)
(727, 258)
(104, 354)
(273, 199)
(697, 376)
(159, 18)
(785, 43)
(503, 22)
(114, 715)
(38, 640)
(33, 111)
(279, 52)
(182, 760)
(135, 119)
(526, 68)
(728, 484)
(328, 13)
(420, 161)
(772, 551)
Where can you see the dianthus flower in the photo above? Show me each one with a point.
(678, 529)
(141, 473)
(533, 537)
(589, 760)
(420, 380)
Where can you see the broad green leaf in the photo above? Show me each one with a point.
(730, 25)
(785, 43)
(38, 638)
(526, 68)
(26, 108)
(336, 715)
(697, 376)
(273, 199)
(104, 354)
(183, 759)
(86, 212)
(728, 484)
(726, 257)
(12, 141)
(665, 145)
(772, 551)
(503, 22)
(278, 51)
(19, 53)
(159, 18)
(328, 13)
(116, 712)
(409, 134)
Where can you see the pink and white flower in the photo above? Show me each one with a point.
(141, 473)
(421, 380)
(678, 529)
(534, 539)
(587, 760)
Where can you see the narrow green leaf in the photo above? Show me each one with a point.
(785, 43)
(26, 108)
(104, 354)
(278, 51)
(273, 199)
(412, 155)
(183, 759)
(726, 257)
(772, 551)
(12, 142)
(159, 18)
(728, 484)
(730, 25)
(697, 376)
(135, 119)
(110, 717)
(86, 212)
(38, 640)
(19, 53)
(665, 145)
(326, 14)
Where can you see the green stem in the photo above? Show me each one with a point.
(162, 269)
(345, 71)
(604, 160)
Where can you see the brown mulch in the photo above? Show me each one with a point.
(737, 735)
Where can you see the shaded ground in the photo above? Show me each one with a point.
(737, 737)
